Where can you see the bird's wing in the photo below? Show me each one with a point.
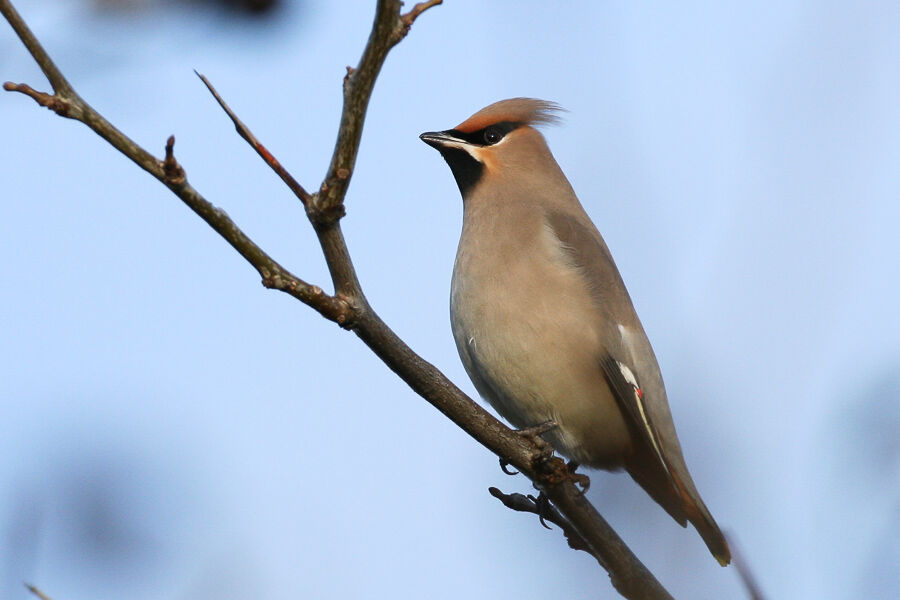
(631, 371)
(627, 361)
(630, 398)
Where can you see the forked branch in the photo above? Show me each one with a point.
(348, 305)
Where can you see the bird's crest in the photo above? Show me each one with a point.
(524, 111)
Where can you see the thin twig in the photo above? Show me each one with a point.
(267, 156)
(743, 569)
(37, 592)
(57, 104)
(59, 83)
(409, 18)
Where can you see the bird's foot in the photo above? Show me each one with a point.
(533, 435)
(539, 506)
(559, 472)
(579, 479)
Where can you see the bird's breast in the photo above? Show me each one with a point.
(523, 321)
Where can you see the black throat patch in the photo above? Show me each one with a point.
(466, 170)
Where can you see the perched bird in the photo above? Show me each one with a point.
(541, 317)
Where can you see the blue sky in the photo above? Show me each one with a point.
(171, 429)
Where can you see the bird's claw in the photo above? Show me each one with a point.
(567, 473)
(579, 479)
(542, 504)
(504, 466)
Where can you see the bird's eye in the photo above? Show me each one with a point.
(492, 135)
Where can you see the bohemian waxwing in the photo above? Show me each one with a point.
(542, 320)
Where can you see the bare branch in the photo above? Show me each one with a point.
(409, 18)
(627, 574)
(37, 592)
(274, 276)
(743, 569)
(60, 85)
(267, 156)
(348, 306)
(57, 104)
(387, 30)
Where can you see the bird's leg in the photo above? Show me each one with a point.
(539, 429)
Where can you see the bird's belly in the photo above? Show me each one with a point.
(543, 366)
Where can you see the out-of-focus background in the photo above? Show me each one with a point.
(170, 429)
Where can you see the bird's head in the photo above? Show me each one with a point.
(499, 140)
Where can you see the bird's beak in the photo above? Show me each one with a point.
(439, 139)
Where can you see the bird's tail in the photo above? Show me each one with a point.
(678, 496)
(706, 526)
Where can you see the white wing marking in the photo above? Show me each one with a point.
(639, 400)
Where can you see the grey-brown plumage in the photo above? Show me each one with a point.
(542, 320)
